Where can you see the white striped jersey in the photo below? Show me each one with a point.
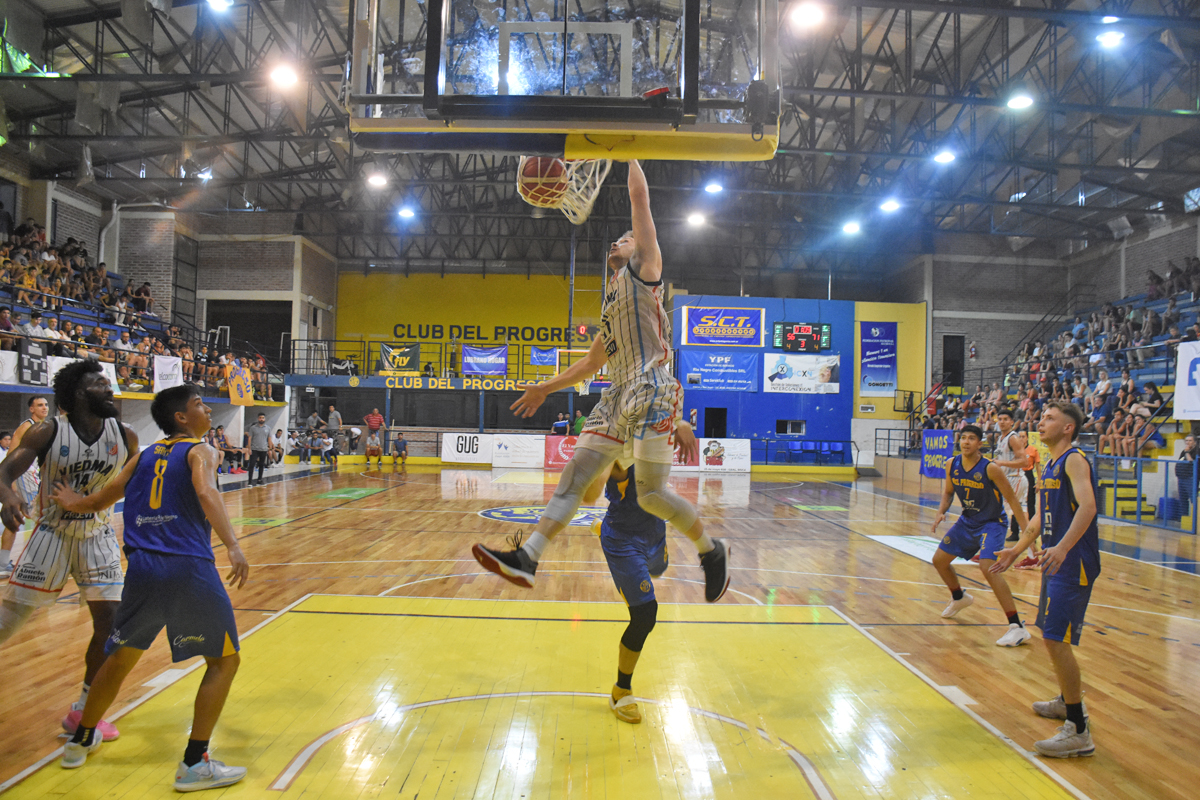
(1005, 452)
(635, 327)
(85, 468)
(30, 479)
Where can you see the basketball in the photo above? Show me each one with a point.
(542, 181)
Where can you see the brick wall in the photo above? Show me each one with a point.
(246, 222)
(247, 266)
(994, 339)
(318, 275)
(1101, 264)
(147, 253)
(74, 221)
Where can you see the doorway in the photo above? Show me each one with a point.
(953, 358)
(714, 423)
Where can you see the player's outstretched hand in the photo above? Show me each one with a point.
(936, 522)
(685, 443)
(239, 568)
(1051, 559)
(1005, 559)
(14, 516)
(529, 402)
(67, 497)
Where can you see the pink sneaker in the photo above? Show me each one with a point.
(71, 721)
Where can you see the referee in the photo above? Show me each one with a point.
(260, 445)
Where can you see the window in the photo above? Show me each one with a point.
(789, 427)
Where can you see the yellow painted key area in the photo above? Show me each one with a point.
(356, 697)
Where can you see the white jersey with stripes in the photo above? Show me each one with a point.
(31, 478)
(83, 466)
(635, 327)
(1005, 452)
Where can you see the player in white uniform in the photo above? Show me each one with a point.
(1010, 457)
(84, 449)
(639, 410)
(27, 484)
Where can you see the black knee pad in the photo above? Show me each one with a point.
(641, 622)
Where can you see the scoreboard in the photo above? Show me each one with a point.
(801, 337)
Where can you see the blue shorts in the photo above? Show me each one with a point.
(965, 540)
(182, 593)
(1061, 608)
(633, 562)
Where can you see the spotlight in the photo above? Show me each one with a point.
(889, 206)
(221, 5)
(944, 157)
(407, 213)
(695, 220)
(1020, 97)
(205, 174)
(1110, 39)
(284, 76)
(851, 228)
(713, 187)
(807, 15)
(377, 179)
(1110, 20)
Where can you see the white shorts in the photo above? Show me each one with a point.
(49, 558)
(642, 413)
(1020, 487)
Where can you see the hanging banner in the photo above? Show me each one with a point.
(1187, 381)
(559, 450)
(543, 356)
(484, 360)
(801, 374)
(55, 363)
(726, 327)
(730, 372)
(467, 448)
(399, 361)
(878, 348)
(168, 372)
(519, 450)
(937, 449)
(241, 390)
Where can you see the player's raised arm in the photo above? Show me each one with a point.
(647, 258)
(536, 393)
(1033, 529)
(203, 461)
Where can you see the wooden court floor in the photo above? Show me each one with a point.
(379, 661)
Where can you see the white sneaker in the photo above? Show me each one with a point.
(958, 605)
(1015, 637)
(1067, 743)
(1054, 709)
(206, 774)
(6, 570)
(75, 755)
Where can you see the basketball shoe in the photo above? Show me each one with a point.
(957, 605)
(206, 774)
(1068, 743)
(1054, 709)
(715, 564)
(1015, 636)
(71, 721)
(515, 565)
(75, 755)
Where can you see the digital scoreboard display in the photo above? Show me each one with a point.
(801, 337)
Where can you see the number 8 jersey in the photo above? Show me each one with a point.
(162, 512)
(83, 466)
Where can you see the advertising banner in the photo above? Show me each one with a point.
(168, 372)
(559, 450)
(484, 360)
(523, 451)
(801, 374)
(724, 455)
(399, 361)
(1187, 381)
(241, 390)
(543, 356)
(724, 327)
(878, 376)
(55, 363)
(734, 372)
(467, 448)
(937, 449)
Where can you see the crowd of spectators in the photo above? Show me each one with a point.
(330, 437)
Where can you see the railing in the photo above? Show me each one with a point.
(835, 452)
(898, 443)
(1062, 307)
(1159, 492)
(438, 359)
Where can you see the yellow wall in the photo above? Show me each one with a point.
(910, 352)
(390, 307)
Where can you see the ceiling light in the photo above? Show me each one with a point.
(1019, 96)
(851, 228)
(1110, 38)
(695, 219)
(284, 76)
(889, 206)
(1110, 20)
(377, 179)
(407, 213)
(944, 157)
(713, 187)
(205, 174)
(221, 5)
(807, 15)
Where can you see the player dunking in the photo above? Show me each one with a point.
(172, 507)
(1066, 514)
(27, 484)
(85, 449)
(980, 485)
(641, 407)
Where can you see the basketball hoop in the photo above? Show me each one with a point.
(584, 388)
(571, 186)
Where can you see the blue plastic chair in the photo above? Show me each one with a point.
(808, 449)
(795, 452)
(840, 450)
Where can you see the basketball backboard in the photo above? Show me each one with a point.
(568, 80)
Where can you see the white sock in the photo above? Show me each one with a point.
(704, 544)
(534, 546)
(78, 706)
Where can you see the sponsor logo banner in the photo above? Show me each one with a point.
(529, 515)
(724, 455)
(878, 347)
(484, 360)
(168, 372)
(559, 450)
(801, 374)
(543, 356)
(726, 327)
(518, 450)
(55, 363)
(467, 448)
(937, 449)
(1187, 381)
(731, 372)
(399, 361)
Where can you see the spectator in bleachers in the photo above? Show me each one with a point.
(258, 369)
(278, 441)
(1102, 412)
(1127, 384)
(8, 331)
(1149, 402)
(1185, 471)
(1114, 437)
(33, 329)
(1155, 286)
(1144, 436)
(1102, 391)
(143, 301)
(1171, 315)
(187, 359)
(121, 311)
(1080, 329)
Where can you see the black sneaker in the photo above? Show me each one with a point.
(515, 565)
(1012, 537)
(716, 571)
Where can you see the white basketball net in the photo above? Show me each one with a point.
(584, 177)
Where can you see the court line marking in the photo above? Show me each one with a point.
(162, 686)
(955, 699)
(284, 780)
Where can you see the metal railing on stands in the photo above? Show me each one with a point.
(1160, 492)
(437, 359)
(898, 443)
(834, 452)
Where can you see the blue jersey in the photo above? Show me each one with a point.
(162, 511)
(1082, 563)
(981, 500)
(625, 518)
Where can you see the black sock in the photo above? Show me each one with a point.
(1014, 619)
(624, 680)
(957, 594)
(1075, 714)
(194, 754)
(84, 736)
